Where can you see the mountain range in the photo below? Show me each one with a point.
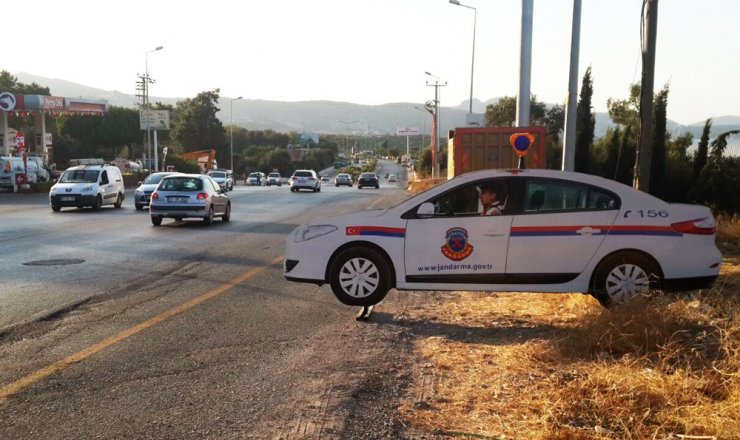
(336, 117)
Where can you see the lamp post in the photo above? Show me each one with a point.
(148, 81)
(231, 131)
(472, 63)
(347, 124)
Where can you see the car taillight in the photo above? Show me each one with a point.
(202, 196)
(701, 226)
(155, 196)
(311, 178)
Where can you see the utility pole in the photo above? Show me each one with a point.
(571, 108)
(648, 36)
(525, 66)
(435, 121)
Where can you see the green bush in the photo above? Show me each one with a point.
(41, 187)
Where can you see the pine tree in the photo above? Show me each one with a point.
(700, 159)
(658, 162)
(585, 125)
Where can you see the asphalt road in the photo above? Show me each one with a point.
(113, 328)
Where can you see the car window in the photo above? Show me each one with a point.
(543, 195)
(303, 174)
(104, 177)
(274, 175)
(80, 176)
(465, 200)
(152, 179)
(181, 184)
(217, 174)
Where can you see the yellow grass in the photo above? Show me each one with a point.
(554, 366)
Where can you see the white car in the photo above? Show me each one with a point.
(88, 185)
(305, 179)
(558, 232)
(224, 178)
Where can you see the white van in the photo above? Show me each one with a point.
(88, 185)
(10, 166)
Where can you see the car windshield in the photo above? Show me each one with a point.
(80, 176)
(368, 176)
(181, 184)
(274, 175)
(254, 175)
(217, 174)
(153, 179)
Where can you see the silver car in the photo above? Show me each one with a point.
(189, 196)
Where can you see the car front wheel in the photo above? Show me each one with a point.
(360, 276)
(621, 277)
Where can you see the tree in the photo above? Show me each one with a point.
(9, 83)
(503, 113)
(700, 158)
(554, 123)
(196, 127)
(585, 125)
(660, 135)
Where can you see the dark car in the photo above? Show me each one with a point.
(189, 196)
(368, 179)
(146, 188)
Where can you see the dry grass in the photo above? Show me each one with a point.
(559, 366)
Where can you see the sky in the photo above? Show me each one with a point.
(376, 51)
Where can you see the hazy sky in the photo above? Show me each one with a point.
(375, 51)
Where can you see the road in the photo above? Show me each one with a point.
(113, 328)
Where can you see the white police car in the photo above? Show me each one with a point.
(558, 232)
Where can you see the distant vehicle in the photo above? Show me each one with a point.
(182, 196)
(206, 159)
(325, 179)
(224, 178)
(10, 166)
(368, 179)
(256, 178)
(305, 179)
(274, 179)
(558, 231)
(88, 185)
(392, 178)
(146, 188)
(343, 179)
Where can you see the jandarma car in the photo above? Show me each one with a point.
(557, 232)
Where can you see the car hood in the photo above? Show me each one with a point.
(351, 219)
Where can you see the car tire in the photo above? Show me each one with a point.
(156, 220)
(377, 186)
(360, 276)
(98, 203)
(208, 219)
(227, 214)
(337, 185)
(139, 207)
(56, 208)
(623, 276)
(119, 201)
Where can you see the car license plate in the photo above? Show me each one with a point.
(67, 199)
(177, 199)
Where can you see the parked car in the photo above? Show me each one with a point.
(183, 196)
(256, 179)
(305, 179)
(343, 179)
(368, 179)
(146, 187)
(274, 179)
(557, 232)
(88, 185)
(392, 178)
(325, 179)
(224, 178)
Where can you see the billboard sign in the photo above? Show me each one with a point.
(154, 119)
(407, 131)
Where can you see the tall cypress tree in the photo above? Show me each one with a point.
(658, 163)
(585, 124)
(700, 159)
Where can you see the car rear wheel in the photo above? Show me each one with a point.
(119, 201)
(139, 207)
(227, 214)
(156, 220)
(360, 276)
(209, 218)
(56, 208)
(621, 277)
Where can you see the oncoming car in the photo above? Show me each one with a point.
(183, 196)
(555, 231)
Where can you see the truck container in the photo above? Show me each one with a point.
(481, 148)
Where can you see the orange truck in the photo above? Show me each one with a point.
(206, 159)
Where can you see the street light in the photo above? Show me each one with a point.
(472, 63)
(347, 124)
(433, 108)
(148, 81)
(231, 130)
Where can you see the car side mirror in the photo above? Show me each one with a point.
(425, 210)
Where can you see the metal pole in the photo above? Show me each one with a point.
(569, 134)
(645, 149)
(525, 65)
(231, 131)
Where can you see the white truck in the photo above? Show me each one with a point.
(10, 166)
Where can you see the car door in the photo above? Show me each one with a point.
(109, 195)
(560, 228)
(455, 244)
(219, 198)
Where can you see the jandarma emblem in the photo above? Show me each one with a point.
(456, 246)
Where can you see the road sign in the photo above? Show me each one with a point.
(407, 131)
(521, 143)
(157, 119)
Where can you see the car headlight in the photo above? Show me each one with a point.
(53, 190)
(308, 232)
(87, 189)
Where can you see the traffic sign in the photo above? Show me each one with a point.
(521, 143)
